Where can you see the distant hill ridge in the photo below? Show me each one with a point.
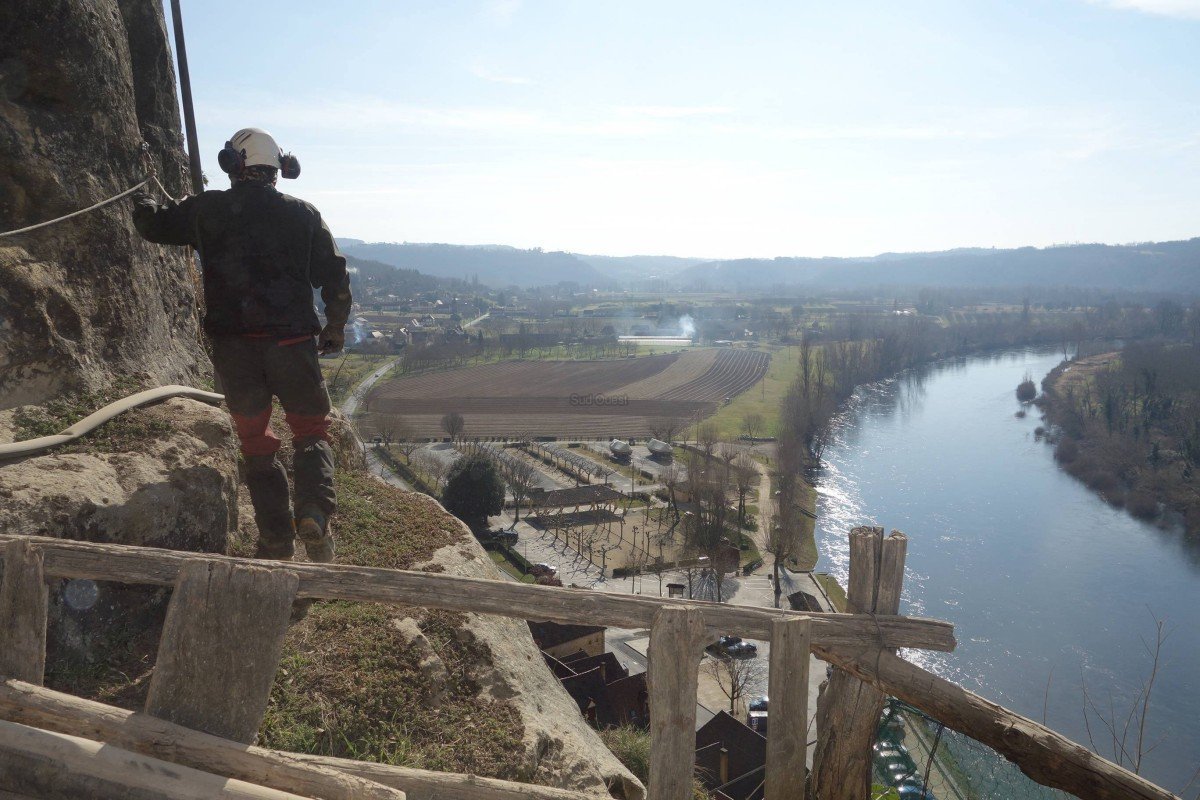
(1155, 266)
(1152, 266)
(496, 265)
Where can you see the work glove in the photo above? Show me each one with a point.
(331, 339)
(142, 198)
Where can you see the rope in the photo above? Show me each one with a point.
(163, 189)
(101, 204)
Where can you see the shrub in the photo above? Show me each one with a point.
(1101, 480)
(474, 490)
(1067, 450)
(1026, 390)
(1142, 504)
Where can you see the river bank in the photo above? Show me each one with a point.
(1129, 431)
(1048, 587)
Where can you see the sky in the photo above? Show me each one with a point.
(714, 129)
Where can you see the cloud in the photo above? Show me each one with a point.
(1181, 9)
(487, 73)
(501, 11)
(673, 112)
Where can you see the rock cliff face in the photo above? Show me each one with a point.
(82, 84)
(87, 306)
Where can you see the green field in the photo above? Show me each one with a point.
(765, 397)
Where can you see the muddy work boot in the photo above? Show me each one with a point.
(267, 481)
(313, 530)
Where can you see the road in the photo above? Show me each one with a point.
(349, 407)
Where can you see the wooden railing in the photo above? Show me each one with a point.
(223, 636)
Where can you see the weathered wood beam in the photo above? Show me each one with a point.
(124, 564)
(23, 601)
(45, 764)
(677, 642)
(1046, 756)
(220, 647)
(787, 686)
(420, 784)
(323, 777)
(848, 713)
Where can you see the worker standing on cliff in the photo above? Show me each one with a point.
(263, 253)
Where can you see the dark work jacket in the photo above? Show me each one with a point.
(263, 253)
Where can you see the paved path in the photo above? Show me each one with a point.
(349, 407)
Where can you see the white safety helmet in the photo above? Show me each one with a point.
(255, 147)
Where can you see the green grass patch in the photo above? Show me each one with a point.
(350, 686)
(511, 569)
(129, 431)
(343, 375)
(837, 595)
(764, 398)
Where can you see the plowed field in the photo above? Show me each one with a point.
(584, 399)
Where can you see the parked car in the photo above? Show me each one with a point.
(914, 790)
(742, 650)
(760, 704)
(505, 537)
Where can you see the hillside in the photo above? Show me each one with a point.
(1154, 267)
(496, 266)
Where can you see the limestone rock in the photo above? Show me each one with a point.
(82, 84)
(177, 490)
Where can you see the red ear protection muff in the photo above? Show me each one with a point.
(289, 166)
(232, 161)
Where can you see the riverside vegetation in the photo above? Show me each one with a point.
(1128, 425)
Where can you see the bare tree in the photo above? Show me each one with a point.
(521, 477)
(736, 677)
(728, 452)
(671, 478)
(436, 469)
(407, 446)
(1126, 736)
(705, 529)
(745, 476)
(453, 424)
(666, 428)
(389, 427)
(752, 424)
(707, 436)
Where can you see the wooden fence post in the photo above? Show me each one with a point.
(677, 641)
(23, 599)
(787, 686)
(848, 711)
(220, 647)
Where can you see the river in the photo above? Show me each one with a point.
(1047, 585)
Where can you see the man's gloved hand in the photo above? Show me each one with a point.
(331, 339)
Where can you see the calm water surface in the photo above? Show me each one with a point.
(1045, 583)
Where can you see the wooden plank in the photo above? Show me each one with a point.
(23, 601)
(123, 564)
(1047, 757)
(220, 647)
(787, 686)
(676, 646)
(42, 708)
(420, 784)
(848, 716)
(44, 764)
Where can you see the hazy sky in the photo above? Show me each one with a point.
(718, 129)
